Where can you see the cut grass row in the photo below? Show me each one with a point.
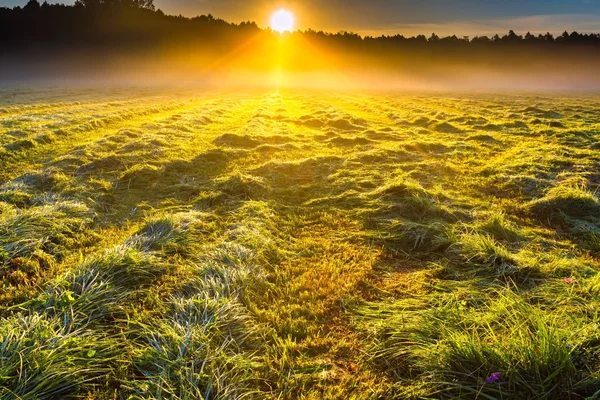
(228, 250)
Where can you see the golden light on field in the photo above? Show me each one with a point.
(282, 21)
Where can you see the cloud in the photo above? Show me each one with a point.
(409, 17)
(555, 24)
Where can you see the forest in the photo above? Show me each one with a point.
(118, 24)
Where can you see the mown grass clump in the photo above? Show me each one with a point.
(49, 228)
(173, 233)
(414, 236)
(501, 228)
(483, 251)
(242, 187)
(460, 350)
(570, 198)
(35, 239)
(18, 198)
(44, 358)
(93, 291)
(199, 351)
(408, 218)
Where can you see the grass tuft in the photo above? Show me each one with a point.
(46, 358)
(570, 198)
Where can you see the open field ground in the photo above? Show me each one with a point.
(284, 245)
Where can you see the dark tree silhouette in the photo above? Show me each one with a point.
(32, 5)
(105, 28)
(145, 4)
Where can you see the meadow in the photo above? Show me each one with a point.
(181, 244)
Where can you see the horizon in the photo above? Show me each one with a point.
(39, 45)
(389, 18)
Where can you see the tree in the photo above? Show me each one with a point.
(145, 4)
(512, 37)
(564, 37)
(32, 5)
(481, 39)
(575, 36)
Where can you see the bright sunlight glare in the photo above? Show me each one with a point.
(282, 21)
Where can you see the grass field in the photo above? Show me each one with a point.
(289, 245)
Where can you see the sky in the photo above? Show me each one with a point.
(408, 17)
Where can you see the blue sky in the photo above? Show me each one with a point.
(463, 17)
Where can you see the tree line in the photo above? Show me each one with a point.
(45, 22)
(103, 28)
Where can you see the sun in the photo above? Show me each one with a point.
(282, 21)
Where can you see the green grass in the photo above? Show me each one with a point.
(570, 199)
(183, 245)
